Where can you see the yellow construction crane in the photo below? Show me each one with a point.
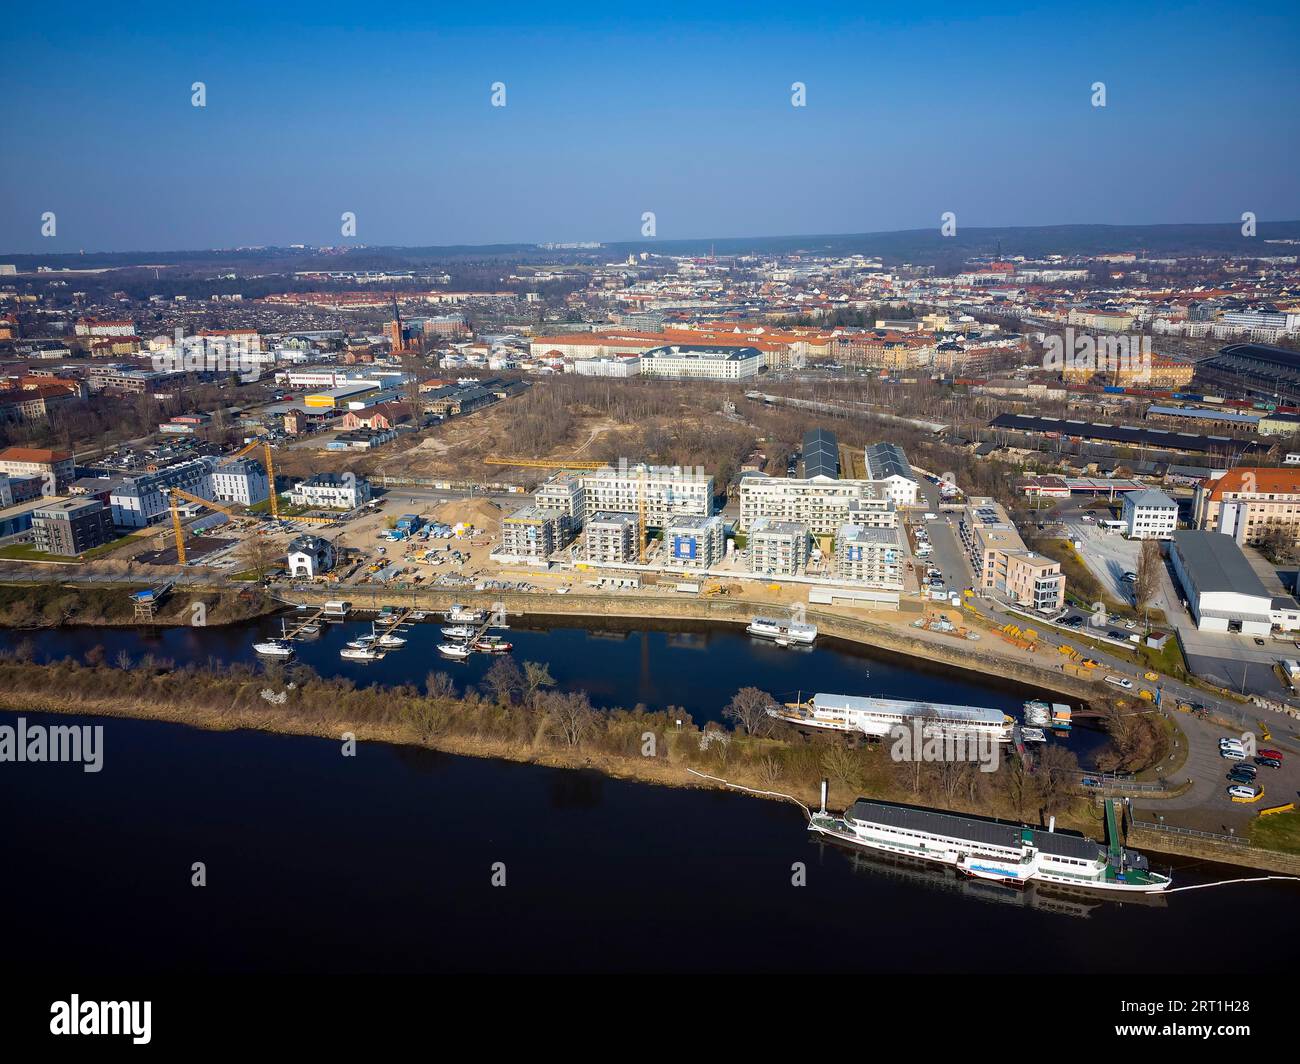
(177, 528)
(270, 469)
(540, 463)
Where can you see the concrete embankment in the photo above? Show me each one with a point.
(1149, 840)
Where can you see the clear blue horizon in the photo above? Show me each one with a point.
(683, 110)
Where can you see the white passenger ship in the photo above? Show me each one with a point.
(878, 717)
(990, 849)
(782, 631)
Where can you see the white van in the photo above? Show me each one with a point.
(1120, 681)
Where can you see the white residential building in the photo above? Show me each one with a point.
(888, 464)
(705, 362)
(777, 548)
(822, 503)
(694, 542)
(1149, 514)
(310, 556)
(142, 500)
(242, 481)
(670, 491)
(331, 491)
(532, 533)
(871, 556)
(611, 538)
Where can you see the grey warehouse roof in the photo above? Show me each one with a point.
(1215, 563)
(821, 454)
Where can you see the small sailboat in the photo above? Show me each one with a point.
(276, 648)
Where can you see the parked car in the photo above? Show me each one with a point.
(1232, 753)
(1242, 793)
(1275, 755)
(1268, 762)
(1243, 769)
(1239, 775)
(1120, 681)
(1258, 641)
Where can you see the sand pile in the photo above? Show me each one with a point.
(481, 513)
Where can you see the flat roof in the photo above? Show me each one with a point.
(1215, 563)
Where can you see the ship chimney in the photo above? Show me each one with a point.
(823, 796)
(1051, 824)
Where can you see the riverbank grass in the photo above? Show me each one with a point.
(1280, 831)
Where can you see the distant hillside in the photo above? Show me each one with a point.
(921, 246)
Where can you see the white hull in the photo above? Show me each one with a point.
(353, 654)
(990, 867)
(452, 650)
(275, 649)
(784, 634)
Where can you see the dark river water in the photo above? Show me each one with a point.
(384, 861)
(695, 665)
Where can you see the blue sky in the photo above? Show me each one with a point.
(679, 109)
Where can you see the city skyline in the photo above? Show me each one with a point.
(905, 117)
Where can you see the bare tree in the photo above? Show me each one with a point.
(259, 554)
(748, 708)
(1147, 582)
(439, 687)
(503, 680)
(537, 674)
(572, 715)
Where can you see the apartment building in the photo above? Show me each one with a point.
(669, 491)
(682, 362)
(242, 481)
(871, 556)
(610, 538)
(71, 526)
(56, 468)
(694, 542)
(887, 463)
(820, 503)
(532, 532)
(1149, 514)
(139, 501)
(1003, 564)
(777, 548)
(331, 491)
(564, 492)
(1250, 503)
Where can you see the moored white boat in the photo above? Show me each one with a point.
(465, 614)
(390, 641)
(877, 718)
(361, 653)
(990, 849)
(492, 645)
(274, 648)
(454, 650)
(460, 631)
(779, 630)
